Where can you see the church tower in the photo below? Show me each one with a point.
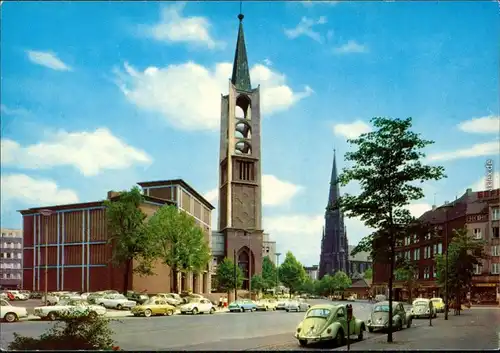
(334, 245)
(240, 183)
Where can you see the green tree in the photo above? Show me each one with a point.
(225, 276)
(308, 286)
(463, 253)
(269, 273)
(405, 272)
(180, 242)
(292, 273)
(387, 164)
(128, 234)
(326, 285)
(258, 284)
(341, 282)
(368, 274)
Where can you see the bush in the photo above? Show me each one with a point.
(74, 331)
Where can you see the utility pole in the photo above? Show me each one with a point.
(277, 270)
(446, 264)
(249, 264)
(46, 214)
(235, 276)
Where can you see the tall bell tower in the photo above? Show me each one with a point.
(240, 182)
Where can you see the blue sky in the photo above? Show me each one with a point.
(99, 95)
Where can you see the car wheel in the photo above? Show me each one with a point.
(303, 343)
(408, 325)
(212, 310)
(10, 317)
(102, 304)
(339, 338)
(195, 311)
(399, 326)
(287, 310)
(360, 335)
(242, 310)
(52, 316)
(370, 329)
(147, 313)
(267, 308)
(92, 315)
(119, 307)
(170, 312)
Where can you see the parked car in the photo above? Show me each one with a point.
(18, 295)
(423, 307)
(10, 313)
(91, 298)
(438, 304)
(153, 307)
(173, 298)
(115, 301)
(327, 322)
(379, 318)
(67, 306)
(198, 305)
(36, 295)
(282, 303)
(297, 305)
(4, 296)
(242, 305)
(266, 304)
(139, 298)
(380, 298)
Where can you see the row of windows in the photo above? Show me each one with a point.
(495, 269)
(478, 233)
(10, 235)
(10, 245)
(11, 255)
(495, 213)
(414, 254)
(11, 275)
(12, 266)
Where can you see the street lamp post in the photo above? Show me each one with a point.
(46, 214)
(235, 276)
(277, 269)
(446, 264)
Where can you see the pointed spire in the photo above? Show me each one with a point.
(334, 194)
(241, 73)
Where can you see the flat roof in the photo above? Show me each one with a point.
(181, 182)
(83, 205)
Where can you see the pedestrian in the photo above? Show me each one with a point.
(221, 300)
(225, 302)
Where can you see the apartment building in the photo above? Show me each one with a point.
(268, 248)
(11, 258)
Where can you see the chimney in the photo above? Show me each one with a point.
(433, 207)
(446, 203)
(112, 194)
(468, 192)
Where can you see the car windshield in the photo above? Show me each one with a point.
(381, 308)
(438, 300)
(421, 304)
(324, 313)
(151, 301)
(193, 300)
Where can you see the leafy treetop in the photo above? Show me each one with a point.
(292, 273)
(225, 276)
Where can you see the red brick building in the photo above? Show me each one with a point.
(471, 209)
(74, 240)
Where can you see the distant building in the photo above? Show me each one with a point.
(11, 253)
(312, 272)
(359, 263)
(269, 248)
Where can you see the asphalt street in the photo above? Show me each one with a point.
(225, 331)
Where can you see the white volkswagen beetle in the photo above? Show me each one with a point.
(69, 306)
(198, 305)
(10, 313)
(115, 301)
(297, 305)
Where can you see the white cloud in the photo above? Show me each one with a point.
(89, 152)
(309, 3)
(305, 28)
(351, 47)
(174, 28)
(172, 90)
(484, 125)
(267, 62)
(477, 150)
(275, 192)
(31, 191)
(4, 110)
(352, 130)
(47, 59)
(481, 184)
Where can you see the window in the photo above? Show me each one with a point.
(477, 269)
(434, 272)
(428, 236)
(416, 254)
(495, 269)
(477, 233)
(416, 275)
(407, 240)
(495, 213)
(415, 238)
(440, 248)
(495, 232)
(495, 250)
(426, 273)
(19, 256)
(427, 252)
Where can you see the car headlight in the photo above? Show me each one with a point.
(428, 311)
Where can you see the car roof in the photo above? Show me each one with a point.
(331, 307)
(386, 302)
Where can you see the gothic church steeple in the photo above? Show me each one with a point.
(241, 73)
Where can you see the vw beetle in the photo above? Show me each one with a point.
(328, 323)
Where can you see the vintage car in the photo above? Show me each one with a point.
(154, 307)
(282, 303)
(438, 304)
(69, 306)
(139, 298)
(18, 295)
(379, 318)
(297, 305)
(198, 305)
(173, 298)
(115, 301)
(328, 322)
(10, 313)
(242, 305)
(266, 304)
(423, 307)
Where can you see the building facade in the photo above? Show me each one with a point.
(334, 244)
(476, 211)
(312, 272)
(359, 263)
(269, 248)
(240, 183)
(11, 254)
(68, 249)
